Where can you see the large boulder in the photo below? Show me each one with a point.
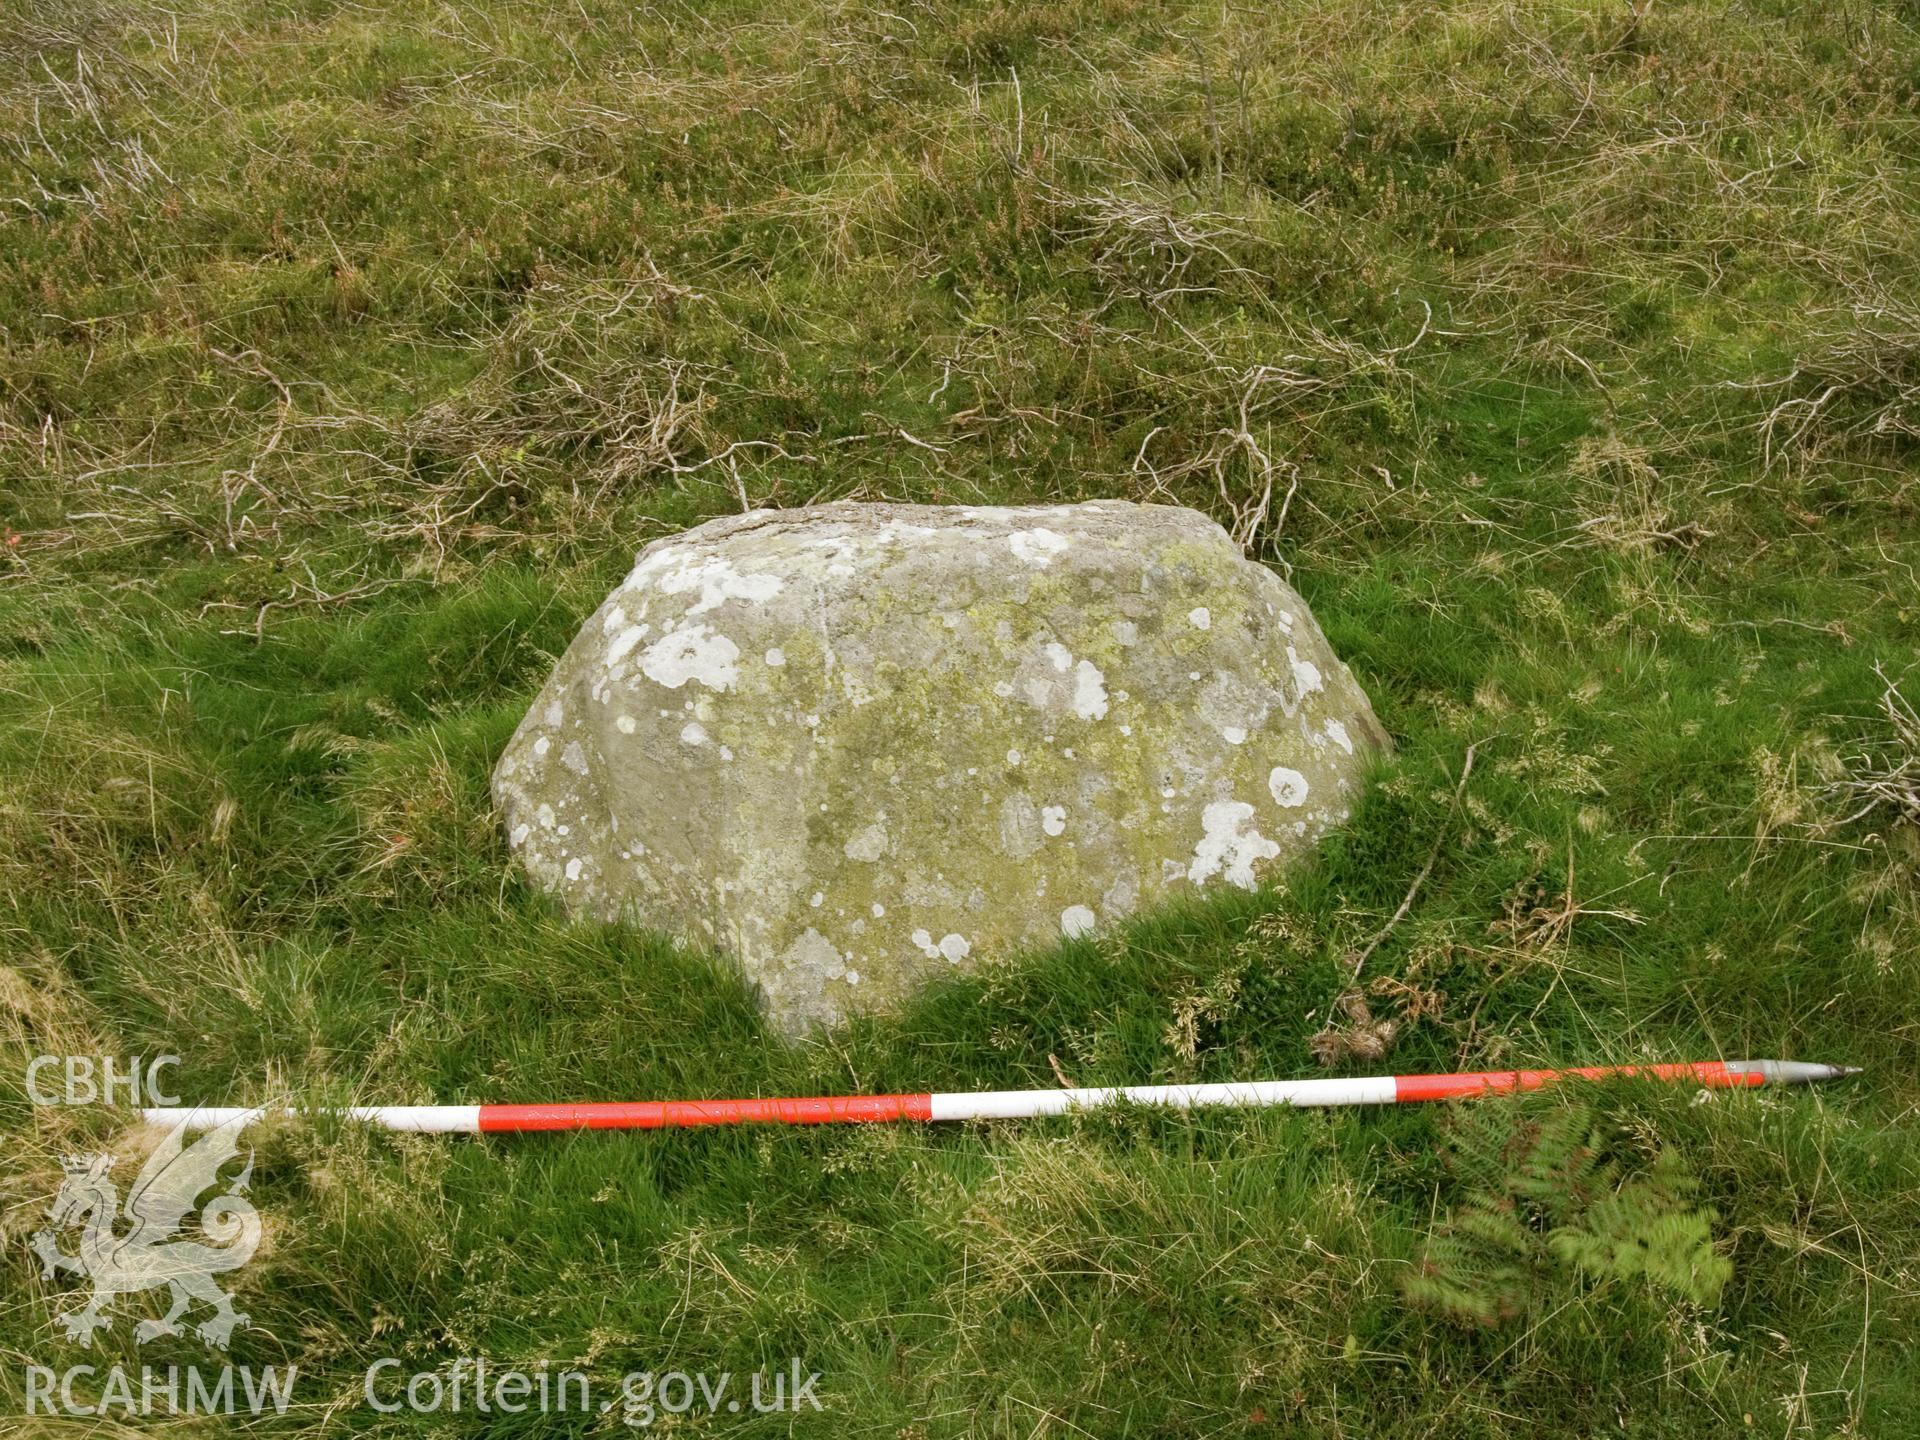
(857, 745)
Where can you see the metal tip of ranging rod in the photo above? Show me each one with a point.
(1792, 1072)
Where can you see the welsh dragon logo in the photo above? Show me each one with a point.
(148, 1254)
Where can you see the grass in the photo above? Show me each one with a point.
(1565, 356)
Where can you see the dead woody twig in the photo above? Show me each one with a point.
(1406, 904)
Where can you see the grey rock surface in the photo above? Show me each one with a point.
(855, 745)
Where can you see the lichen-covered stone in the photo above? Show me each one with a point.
(856, 745)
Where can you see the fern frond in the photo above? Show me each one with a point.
(1542, 1201)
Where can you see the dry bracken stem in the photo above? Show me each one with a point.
(1406, 904)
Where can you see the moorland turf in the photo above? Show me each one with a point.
(1566, 357)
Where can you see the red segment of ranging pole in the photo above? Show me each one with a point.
(1011, 1104)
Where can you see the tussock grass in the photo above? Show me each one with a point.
(1564, 356)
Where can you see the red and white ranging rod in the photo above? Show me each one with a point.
(1008, 1104)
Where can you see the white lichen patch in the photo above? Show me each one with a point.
(1200, 618)
(869, 845)
(1089, 691)
(1075, 921)
(713, 578)
(1337, 733)
(694, 652)
(1306, 674)
(1051, 680)
(1053, 819)
(622, 644)
(1287, 786)
(1038, 546)
(1230, 845)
